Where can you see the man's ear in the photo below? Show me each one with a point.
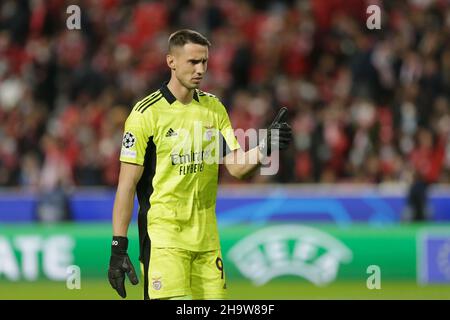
(170, 59)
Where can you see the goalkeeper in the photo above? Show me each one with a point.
(176, 182)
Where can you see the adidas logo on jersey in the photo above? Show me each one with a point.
(171, 133)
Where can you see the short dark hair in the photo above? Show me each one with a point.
(181, 37)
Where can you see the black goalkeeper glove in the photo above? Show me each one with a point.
(119, 264)
(279, 134)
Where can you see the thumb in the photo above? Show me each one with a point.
(132, 275)
(281, 116)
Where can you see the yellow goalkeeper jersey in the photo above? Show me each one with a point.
(180, 147)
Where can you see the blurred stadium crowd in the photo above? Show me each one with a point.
(365, 105)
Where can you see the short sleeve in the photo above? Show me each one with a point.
(226, 130)
(137, 132)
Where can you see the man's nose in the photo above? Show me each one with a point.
(200, 69)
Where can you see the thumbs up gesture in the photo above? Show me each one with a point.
(279, 134)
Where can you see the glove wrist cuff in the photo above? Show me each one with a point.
(119, 244)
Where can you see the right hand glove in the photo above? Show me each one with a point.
(119, 264)
(279, 134)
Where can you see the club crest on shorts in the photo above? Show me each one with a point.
(156, 283)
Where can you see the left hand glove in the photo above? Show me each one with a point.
(119, 264)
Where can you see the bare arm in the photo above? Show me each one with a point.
(242, 164)
(123, 203)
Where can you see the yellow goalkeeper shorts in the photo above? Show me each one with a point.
(174, 272)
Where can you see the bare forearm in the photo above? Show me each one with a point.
(244, 164)
(123, 210)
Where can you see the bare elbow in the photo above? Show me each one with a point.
(238, 175)
(235, 172)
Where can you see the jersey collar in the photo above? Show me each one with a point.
(168, 95)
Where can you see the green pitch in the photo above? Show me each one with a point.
(95, 289)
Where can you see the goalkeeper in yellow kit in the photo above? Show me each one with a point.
(169, 158)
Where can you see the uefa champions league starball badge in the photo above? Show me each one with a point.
(128, 140)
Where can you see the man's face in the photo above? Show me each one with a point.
(189, 64)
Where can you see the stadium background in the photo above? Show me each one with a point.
(365, 183)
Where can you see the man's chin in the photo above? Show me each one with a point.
(196, 82)
(191, 85)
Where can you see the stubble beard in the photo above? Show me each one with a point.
(189, 85)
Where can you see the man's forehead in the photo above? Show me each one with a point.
(193, 51)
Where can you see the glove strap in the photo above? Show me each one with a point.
(264, 145)
(119, 245)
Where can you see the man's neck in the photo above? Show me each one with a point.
(183, 94)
